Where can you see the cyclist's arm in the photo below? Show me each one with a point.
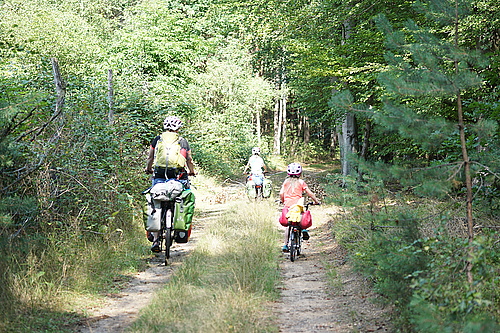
(150, 160)
(311, 195)
(189, 162)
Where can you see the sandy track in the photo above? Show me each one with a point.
(311, 301)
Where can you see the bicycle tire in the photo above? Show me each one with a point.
(168, 234)
(299, 241)
(293, 244)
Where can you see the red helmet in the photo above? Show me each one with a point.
(294, 169)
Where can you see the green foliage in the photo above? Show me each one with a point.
(415, 253)
(443, 298)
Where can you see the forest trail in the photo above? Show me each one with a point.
(120, 310)
(312, 298)
(315, 300)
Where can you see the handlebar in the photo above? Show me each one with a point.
(311, 204)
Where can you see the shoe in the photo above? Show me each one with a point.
(285, 248)
(305, 234)
(150, 236)
(156, 247)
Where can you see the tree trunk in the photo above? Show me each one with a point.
(348, 143)
(60, 88)
(277, 127)
(366, 139)
(466, 161)
(284, 100)
(258, 128)
(347, 139)
(307, 130)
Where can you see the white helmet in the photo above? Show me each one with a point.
(255, 151)
(294, 169)
(172, 123)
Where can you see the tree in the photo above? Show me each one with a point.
(429, 68)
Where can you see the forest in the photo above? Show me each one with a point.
(403, 95)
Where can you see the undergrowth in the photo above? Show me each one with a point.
(415, 251)
(47, 279)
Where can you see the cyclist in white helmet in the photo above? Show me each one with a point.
(162, 171)
(292, 191)
(256, 163)
(171, 125)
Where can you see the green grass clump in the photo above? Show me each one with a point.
(225, 283)
(47, 279)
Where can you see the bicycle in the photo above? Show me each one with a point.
(258, 185)
(166, 201)
(295, 237)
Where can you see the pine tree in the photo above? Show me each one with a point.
(429, 65)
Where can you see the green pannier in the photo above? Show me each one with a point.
(183, 216)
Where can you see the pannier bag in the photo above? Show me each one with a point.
(251, 189)
(267, 188)
(166, 191)
(153, 211)
(296, 216)
(183, 216)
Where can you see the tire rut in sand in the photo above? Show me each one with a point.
(311, 301)
(123, 308)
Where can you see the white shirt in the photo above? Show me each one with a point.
(256, 164)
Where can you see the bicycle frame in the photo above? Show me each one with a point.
(295, 237)
(294, 241)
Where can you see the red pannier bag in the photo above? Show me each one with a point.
(283, 220)
(305, 220)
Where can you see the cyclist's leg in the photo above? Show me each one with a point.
(155, 247)
(285, 239)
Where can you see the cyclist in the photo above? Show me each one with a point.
(256, 163)
(161, 173)
(292, 191)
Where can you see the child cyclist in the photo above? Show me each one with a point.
(291, 192)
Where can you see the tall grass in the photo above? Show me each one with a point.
(225, 283)
(46, 279)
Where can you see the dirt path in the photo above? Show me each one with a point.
(315, 301)
(122, 309)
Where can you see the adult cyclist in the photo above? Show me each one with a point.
(161, 173)
(256, 164)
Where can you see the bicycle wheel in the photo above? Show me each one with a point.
(299, 242)
(168, 233)
(293, 244)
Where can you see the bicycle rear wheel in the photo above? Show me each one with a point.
(293, 244)
(168, 234)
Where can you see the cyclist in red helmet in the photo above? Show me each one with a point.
(292, 191)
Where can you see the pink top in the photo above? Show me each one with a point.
(292, 191)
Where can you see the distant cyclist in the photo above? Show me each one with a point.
(169, 155)
(256, 164)
(292, 191)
